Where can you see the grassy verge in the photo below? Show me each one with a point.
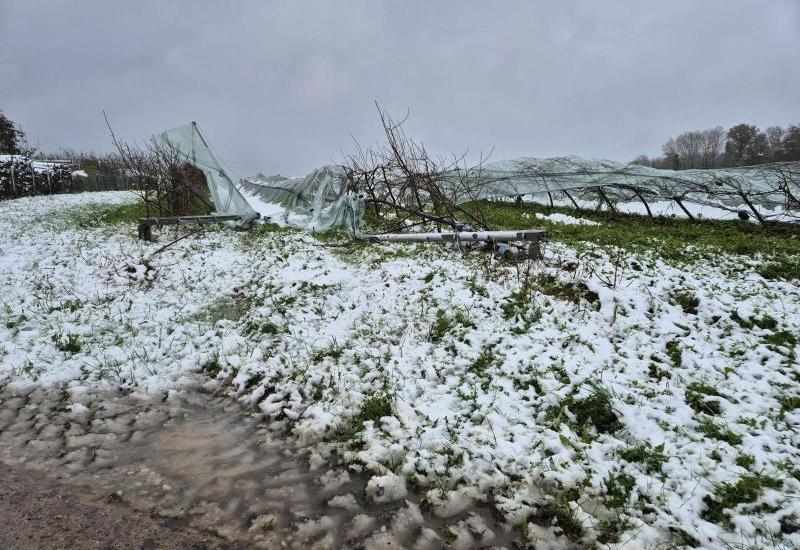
(95, 214)
(671, 238)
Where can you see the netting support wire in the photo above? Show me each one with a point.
(551, 199)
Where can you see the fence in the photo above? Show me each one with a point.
(104, 182)
(21, 176)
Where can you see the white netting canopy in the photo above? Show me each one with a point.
(762, 184)
(321, 199)
(191, 146)
(325, 201)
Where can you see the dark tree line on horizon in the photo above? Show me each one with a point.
(740, 145)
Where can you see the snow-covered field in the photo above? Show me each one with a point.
(593, 397)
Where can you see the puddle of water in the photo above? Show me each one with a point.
(203, 459)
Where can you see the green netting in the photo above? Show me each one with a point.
(191, 146)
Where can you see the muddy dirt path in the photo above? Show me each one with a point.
(192, 470)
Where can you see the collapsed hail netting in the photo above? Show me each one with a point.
(718, 187)
(321, 199)
(191, 146)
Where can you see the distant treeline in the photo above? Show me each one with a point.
(740, 145)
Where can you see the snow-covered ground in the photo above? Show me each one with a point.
(593, 397)
(562, 218)
(672, 209)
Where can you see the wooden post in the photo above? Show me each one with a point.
(573, 200)
(753, 208)
(644, 202)
(685, 211)
(605, 198)
(145, 232)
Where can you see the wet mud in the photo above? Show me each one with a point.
(216, 474)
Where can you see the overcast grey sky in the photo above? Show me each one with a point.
(281, 86)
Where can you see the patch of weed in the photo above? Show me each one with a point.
(788, 402)
(618, 487)
(212, 366)
(687, 300)
(373, 408)
(253, 381)
(595, 410)
(782, 338)
(675, 353)
(651, 457)
(484, 360)
(441, 326)
(745, 461)
(721, 433)
(786, 268)
(697, 398)
(674, 239)
(333, 351)
(610, 530)
(68, 344)
(727, 496)
(765, 322)
(562, 516)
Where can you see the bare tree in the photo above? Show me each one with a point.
(690, 148)
(402, 182)
(713, 146)
(167, 184)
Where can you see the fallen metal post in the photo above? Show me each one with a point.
(146, 224)
(533, 236)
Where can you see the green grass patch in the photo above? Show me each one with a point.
(786, 268)
(687, 300)
(263, 230)
(789, 402)
(782, 338)
(334, 351)
(651, 457)
(92, 215)
(721, 433)
(618, 487)
(668, 237)
(610, 530)
(69, 343)
(675, 353)
(559, 514)
(212, 367)
(593, 411)
(697, 394)
(373, 408)
(483, 362)
(727, 496)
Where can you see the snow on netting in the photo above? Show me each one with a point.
(322, 199)
(325, 200)
(226, 197)
(761, 184)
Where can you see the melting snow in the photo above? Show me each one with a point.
(484, 394)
